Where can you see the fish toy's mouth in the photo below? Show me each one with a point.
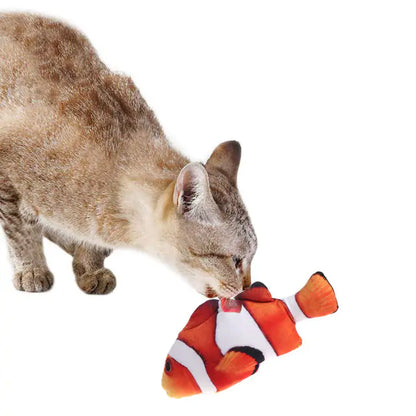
(230, 305)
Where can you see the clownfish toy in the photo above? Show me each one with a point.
(225, 341)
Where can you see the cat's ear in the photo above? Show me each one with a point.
(192, 196)
(226, 159)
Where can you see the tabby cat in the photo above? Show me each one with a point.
(84, 162)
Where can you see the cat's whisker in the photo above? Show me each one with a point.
(228, 290)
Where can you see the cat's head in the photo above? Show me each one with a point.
(215, 240)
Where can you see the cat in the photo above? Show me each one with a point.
(85, 163)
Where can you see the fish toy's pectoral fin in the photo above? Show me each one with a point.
(241, 361)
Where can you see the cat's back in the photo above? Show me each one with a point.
(36, 48)
(46, 63)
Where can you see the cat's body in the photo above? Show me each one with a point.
(84, 161)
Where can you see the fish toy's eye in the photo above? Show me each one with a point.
(168, 366)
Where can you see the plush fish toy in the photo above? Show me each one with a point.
(225, 340)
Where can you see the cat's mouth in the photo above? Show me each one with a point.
(224, 290)
(210, 292)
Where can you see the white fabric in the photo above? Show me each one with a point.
(239, 329)
(294, 308)
(189, 358)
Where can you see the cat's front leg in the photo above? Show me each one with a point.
(24, 238)
(91, 275)
(88, 264)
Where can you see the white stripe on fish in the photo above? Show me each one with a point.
(190, 359)
(239, 329)
(294, 308)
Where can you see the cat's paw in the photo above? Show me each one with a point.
(100, 282)
(33, 280)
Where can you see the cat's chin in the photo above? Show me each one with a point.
(210, 292)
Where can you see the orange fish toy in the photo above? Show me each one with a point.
(225, 341)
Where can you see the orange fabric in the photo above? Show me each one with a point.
(236, 362)
(202, 313)
(276, 324)
(201, 338)
(256, 294)
(201, 335)
(178, 381)
(317, 298)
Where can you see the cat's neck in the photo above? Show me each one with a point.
(142, 207)
(146, 205)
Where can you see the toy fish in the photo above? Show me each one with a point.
(225, 341)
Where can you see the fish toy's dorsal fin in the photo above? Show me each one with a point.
(240, 361)
(257, 292)
(202, 313)
(317, 297)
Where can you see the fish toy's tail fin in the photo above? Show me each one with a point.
(316, 298)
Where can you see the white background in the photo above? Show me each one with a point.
(322, 97)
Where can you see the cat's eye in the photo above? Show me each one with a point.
(168, 366)
(237, 261)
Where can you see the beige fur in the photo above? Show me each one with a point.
(84, 162)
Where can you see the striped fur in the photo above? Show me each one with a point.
(84, 162)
